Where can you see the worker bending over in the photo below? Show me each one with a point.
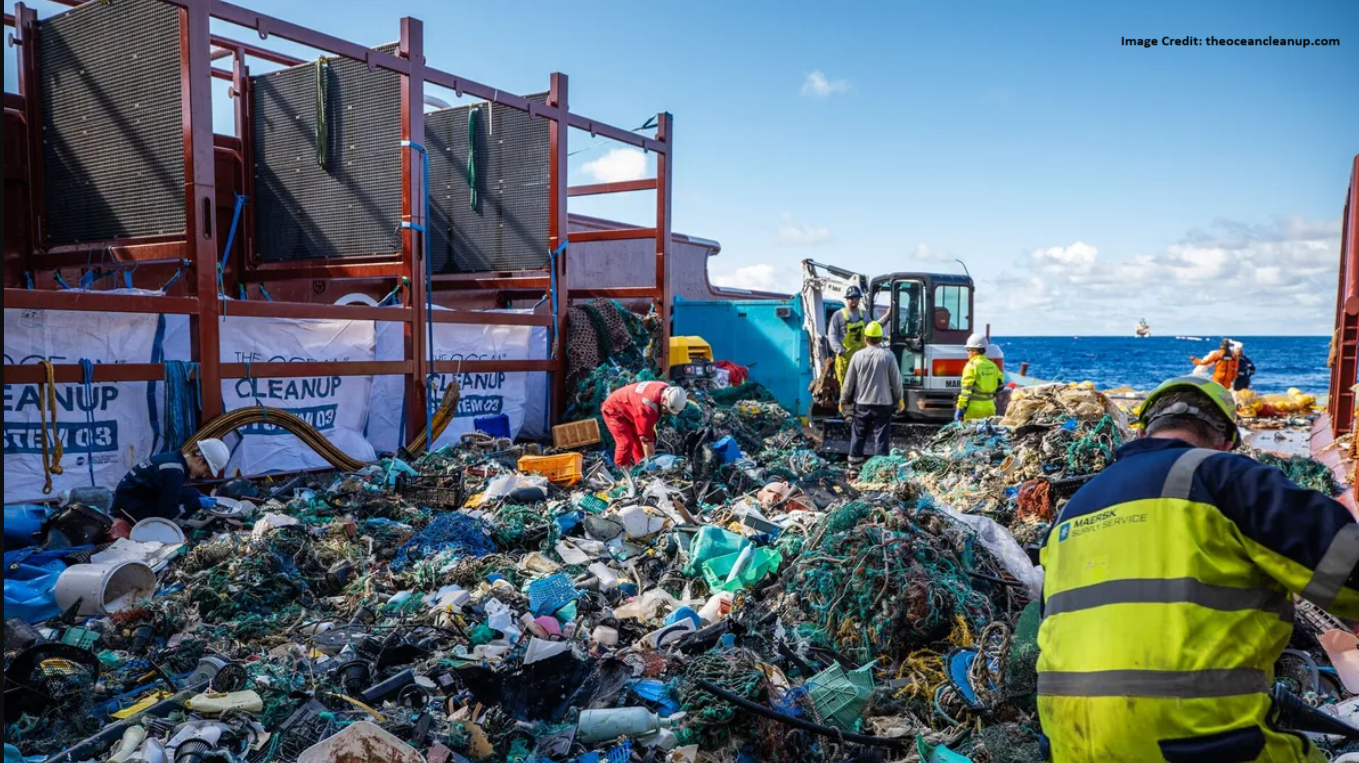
(632, 413)
(846, 332)
(155, 487)
(1167, 598)
(872, 387)
(982, 379)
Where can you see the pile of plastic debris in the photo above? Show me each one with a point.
(740, 598)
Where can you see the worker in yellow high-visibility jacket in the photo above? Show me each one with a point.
(1169, 589)
(982, 379)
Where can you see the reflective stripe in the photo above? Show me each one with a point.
(1178, 591)
(1196, 684)
(172, 465)
(1180, 482)
(1335, 569)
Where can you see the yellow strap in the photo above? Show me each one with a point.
(47, 411)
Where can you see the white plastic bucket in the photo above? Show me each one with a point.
(157, 530)
(105, 589)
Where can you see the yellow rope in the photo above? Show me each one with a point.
(47, 404)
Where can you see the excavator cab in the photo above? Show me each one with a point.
(927, 319)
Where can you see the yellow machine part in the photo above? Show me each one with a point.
(689, 349)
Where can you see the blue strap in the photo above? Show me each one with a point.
(231, 239)
(265, 293)
(87, 374)
(61, 281)
(552, 263)
(127, 278)
(240, 289)
(173, 279)
(87, 280)
(28, 276)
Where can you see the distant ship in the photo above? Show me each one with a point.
(1143, 329)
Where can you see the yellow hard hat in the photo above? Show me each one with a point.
(873, 330)
(1210, 390)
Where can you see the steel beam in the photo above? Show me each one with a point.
(417, 332)
(104, 373)
(480, 318)
(622, 292)
(625, 234)
(1345, 372)
(304, 311)
(606, 188)
(300, 370)
(27, 36)
(599, 129)
(495, 366)
(665, 263)
(559, 231)
(268, 26)
(531, 283)
(330, 271)
(95, 302)
(200, 197)
(9, 20)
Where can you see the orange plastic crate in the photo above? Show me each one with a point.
(578, 434)
(564, 470)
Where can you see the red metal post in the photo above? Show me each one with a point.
(665, 134)
(245, 235)
(559, 229)
(1345, 373)
(200, 197)
(413, 214)
(27, 26)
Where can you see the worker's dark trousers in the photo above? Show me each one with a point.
(872, 431)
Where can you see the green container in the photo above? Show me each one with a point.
(841, 698)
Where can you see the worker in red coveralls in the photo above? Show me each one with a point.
(632, 413)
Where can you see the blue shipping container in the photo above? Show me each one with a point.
(766, 336)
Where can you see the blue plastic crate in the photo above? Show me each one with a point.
(548, 595)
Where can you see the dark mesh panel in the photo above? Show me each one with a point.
(113, 134)
(352, 206)
(507, 229)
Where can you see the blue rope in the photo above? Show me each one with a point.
(61, 281)
(173, 279)
(183, 399)
(87, 375)
(231, 239)
(265, 293)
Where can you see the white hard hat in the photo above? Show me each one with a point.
(978, 342)
(216, 453)
(675, 399)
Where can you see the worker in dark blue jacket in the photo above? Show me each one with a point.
(1169, 593)
(155, 487)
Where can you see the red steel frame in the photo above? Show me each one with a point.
(198, 247)
(1345, 373)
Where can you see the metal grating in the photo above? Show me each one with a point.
(507, 229)
(113, 132)
(352, 206)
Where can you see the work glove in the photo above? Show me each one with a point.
(958, 415)
(207, 503)
(901, 406)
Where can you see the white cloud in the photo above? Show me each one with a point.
(618, 166)
(818, 85)
(803, 235)
(927, 253)
(1231, 277)
(760, 278)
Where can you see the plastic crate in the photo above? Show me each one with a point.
(549, 595)
(577, 434)
(841, 697)
(564, 470)
(432, 492)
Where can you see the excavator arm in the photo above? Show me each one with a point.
(820, 282)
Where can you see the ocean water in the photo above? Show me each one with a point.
(1281, 362)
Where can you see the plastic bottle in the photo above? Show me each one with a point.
(605, 636)
(127, 746)
(605, 725)
(151, 752)
(717, 608)
(608, 579)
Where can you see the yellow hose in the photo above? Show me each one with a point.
(244, 417)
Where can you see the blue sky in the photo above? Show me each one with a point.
(1086, 184)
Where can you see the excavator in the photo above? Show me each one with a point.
(927, 319)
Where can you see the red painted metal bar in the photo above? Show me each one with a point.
(234, 47)
(495, 366)
(625, 234)
(9, 20)
(327, 271)
(1345, 372)
(477, 318)
(599, 129)
(605, 188)
(304, 311)
(200, 197)
(132, 254)
(463, 86)
(221, 74)
(270, 26)
(300, 370)
(559, 227)
(528, 283)
(95, 302)
(27, 35)
(665, 133)
(246, 134)
(413, 252)
(15, 102)
(623, 292)
(104, 373)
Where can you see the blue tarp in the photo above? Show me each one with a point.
(31, 583)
